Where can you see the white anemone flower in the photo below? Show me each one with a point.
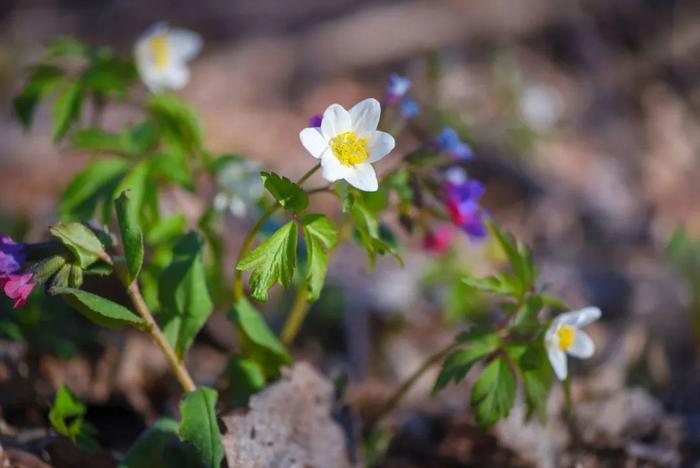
(348, 142)
(162, 54)
(564, 336)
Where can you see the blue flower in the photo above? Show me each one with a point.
(11, 255)
(449, 142)
(462, 200)
(315, 120)
(397, 88)
(409, 108)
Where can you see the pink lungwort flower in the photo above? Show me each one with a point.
(17, 287)
(439, 240)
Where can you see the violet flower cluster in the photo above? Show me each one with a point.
(15, 284)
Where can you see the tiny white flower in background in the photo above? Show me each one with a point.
(348, 142)
(564, 336)
(238, 187)
(162, 54)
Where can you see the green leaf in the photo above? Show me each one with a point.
(458, 363)
(178, 122)
(245, 376)
(66, 109)
(67, 416)
(147, 451)
(42, 80)
(526, 317)
(81, 241)
(131, 235)
(493, 393)
(519, 256)
(98, 309)
(273, 260)
(172, 167)
(258, 342)
(288, 194)
(62, 47)
(321, 235)
(94, 184)
(167, 229)
(554, 303)
(500, 283)
(369, 233)
(183, 294)
(110, 75)
(137, 183)
(199, 425)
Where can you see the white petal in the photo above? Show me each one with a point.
(363, 177)
(184, 44)
(331, 168)
(176, 76)
(151, 76)
(580, 318)
(365, 115)
(313, 141)
(558, 360)
(379, 145)
(583, 346)
(336, 120)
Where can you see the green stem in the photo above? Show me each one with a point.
(296, 314)
(238, 292)
(396, 397)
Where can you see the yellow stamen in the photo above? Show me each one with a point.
(349, 148)
(160, 51)
(567, 337)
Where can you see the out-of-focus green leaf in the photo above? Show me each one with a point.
(526, 317)
(480, 343)
(288, 194)
(499, 283)
(147, 451)
(42, 80)
(62, 47)
(67, 416)
(273, 260)
(369, 233)
(99, 310)
(184, 297)
(94, 184)
(167, 229)
(199, 426)
(493, 393)
(66, 108)
(178, 122)
(245, 377)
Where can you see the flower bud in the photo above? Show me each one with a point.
(76, 276)
(46, 268)
(60, 280)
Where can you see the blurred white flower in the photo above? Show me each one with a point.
(564, 336)
(348, 142)
(541, 106)
(238, 187)
(162, 54)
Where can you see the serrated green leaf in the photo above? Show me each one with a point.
(258, 341)
(81, 241)
(369, 233)
(93, 185)
(98, 309)
(499, 283)
(480, 343)
(183, 293)
(493, 393)
(67, 416)
(132, 238)
(288, 194)
(320, 235)
(272, 261)
(526, 317)
(199, 426)
(66, 109)
(519, 257)
(147, 451)
(42, 80)
(178, 122)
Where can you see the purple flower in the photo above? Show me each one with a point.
(315, 120)
(409, 108)
(462, 200)
(397, 88)
(17, 287)
(11, 255)
(449, 142)
(439, 240)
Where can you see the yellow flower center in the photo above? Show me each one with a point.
(159, 49)
(349, 148)
(567, 336)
